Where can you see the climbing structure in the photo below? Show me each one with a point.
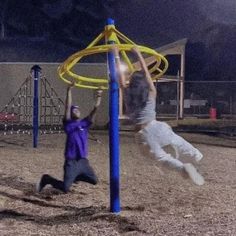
(17, 115)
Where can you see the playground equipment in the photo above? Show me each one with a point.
(35, 105)
(157, 68)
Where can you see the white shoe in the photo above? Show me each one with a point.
(193, 174)
(37, 187)
(198, 156)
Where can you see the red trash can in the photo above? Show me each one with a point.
(212, 113)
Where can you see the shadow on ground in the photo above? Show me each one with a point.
(74, 214)
(78, 215)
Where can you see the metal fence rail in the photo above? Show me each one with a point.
(199, 97)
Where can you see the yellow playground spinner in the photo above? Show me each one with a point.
(157, 65)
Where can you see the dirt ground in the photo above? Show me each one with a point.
(155, 201)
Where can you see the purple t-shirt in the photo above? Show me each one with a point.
(77, 138)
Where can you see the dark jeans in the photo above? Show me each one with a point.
(74, 171)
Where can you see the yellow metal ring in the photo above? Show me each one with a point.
(64, 70)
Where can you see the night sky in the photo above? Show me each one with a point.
(49, 31)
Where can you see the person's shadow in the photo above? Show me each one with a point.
(16, 182)
(31, 196)
(74, 214)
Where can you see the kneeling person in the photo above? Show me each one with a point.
(76, 165)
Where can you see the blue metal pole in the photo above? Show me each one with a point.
(36, 70)
(113, 130)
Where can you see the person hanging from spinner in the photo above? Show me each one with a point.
(140, 100)
(76, 165)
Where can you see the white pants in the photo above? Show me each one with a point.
(157, 135)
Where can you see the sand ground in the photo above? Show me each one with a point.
(155, 201)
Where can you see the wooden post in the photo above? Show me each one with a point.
(182, 75)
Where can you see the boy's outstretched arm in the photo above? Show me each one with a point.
(68, 102)
(98, 98)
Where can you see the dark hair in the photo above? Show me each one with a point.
(136, 95)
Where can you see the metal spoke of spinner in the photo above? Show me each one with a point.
(157, 67)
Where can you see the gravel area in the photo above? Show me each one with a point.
(155, 201)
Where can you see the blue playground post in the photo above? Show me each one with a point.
(113, 129)
(36, 70)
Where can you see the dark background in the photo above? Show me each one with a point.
(49, 31)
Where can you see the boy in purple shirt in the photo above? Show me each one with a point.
(76, 165)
